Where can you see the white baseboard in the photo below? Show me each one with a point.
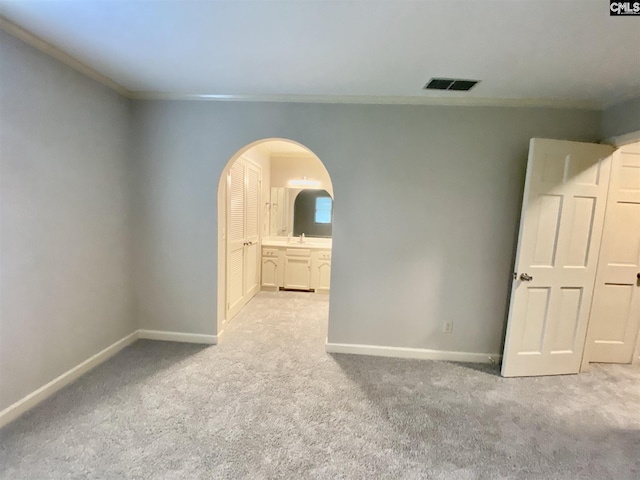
(21, 406)
(418, 353)
(178, 337)
(31, 400)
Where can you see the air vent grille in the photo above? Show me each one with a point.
(456, 84)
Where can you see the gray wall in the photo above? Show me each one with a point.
(436, 246)
(621, 118)
(65, 248)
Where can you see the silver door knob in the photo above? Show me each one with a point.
(525, 277)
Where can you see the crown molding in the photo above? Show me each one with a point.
(273, 155)
(378, 100)
(54, 52)
(624, 139)
(562, 103)
(264, 148)
(618, 99)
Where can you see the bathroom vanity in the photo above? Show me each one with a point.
(290, 264)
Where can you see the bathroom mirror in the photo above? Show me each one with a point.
(294, 211)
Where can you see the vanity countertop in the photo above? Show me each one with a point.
(312, 243)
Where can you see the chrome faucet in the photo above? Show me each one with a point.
(301, 240)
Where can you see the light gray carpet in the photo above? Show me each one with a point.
(270, 403)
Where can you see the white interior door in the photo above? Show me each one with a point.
(252, 257)
(615, 313)
(560, 231)
(236, 238)
(243, 234)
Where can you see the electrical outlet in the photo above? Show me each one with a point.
(448, 327)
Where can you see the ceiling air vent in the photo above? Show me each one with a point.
(457, 84)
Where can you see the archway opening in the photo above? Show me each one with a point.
(260, 247)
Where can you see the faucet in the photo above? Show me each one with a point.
(301, 240)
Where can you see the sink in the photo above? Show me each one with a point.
(295, 243)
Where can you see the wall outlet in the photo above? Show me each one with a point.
(448, 327)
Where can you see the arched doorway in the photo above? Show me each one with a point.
(256, 193)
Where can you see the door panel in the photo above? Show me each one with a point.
(579, 234)
(297, 273)
(324, 275)
(615, 314)
(564, 338)
(243, 234)
(560, 232)
(270, 272)
(549, 212)
(235, 238)
(252, 270)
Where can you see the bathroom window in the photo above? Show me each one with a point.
(323, 210)
(313, 213)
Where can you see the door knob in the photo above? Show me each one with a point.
(525, 277)
(638, 276)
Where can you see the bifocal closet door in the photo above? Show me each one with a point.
(236, 238)
(244, 183)
(560, 232)
(615, 314)
(252, 231)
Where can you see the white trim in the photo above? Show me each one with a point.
(624, 139)
(379, 100)
(427, 99)
(54, 52)
(621, 98)
(177, 337)
(21, 406)
(418, 353)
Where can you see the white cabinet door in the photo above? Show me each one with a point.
(324, 275)
(297, 269)
(560, 231)
(321, 270)
(615, 314)
(270, 272)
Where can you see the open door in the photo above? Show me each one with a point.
(615, 313)
(560, 231)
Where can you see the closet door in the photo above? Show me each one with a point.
(560, 231)
(243, 234)
(252, 229)
(236, 238)
(615, 314)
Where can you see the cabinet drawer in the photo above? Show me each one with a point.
(298, 252)
(324, 255)
(269, 252)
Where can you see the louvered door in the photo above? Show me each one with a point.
(243, 234)
(252, 229)
(235, 238)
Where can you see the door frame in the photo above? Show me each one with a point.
(222, 239)
(221, 319)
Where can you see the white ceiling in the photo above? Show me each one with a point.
(520, 49)
(283, 147)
